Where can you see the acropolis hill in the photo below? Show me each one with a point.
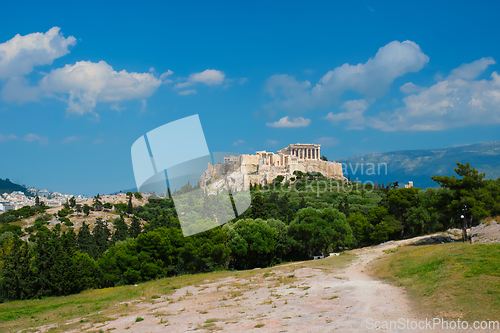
(263, 167)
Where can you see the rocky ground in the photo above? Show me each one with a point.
(289, 298)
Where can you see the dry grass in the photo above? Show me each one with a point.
(98, 306)
(452, 280)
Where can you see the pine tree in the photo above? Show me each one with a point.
(101, 235)
(135, 227)
(85, 241)
(258, 209)
(121, 230)
(16, 262)
(72, 202)
(346, 206)
(130, 207)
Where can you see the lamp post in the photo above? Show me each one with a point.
(464, 224)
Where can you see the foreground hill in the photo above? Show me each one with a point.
(336, 293)
(419, 165)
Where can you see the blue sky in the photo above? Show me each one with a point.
(81, 82)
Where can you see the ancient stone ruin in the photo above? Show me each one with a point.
(263, 167)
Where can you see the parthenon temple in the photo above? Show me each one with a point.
(303, 151)
(262, 167)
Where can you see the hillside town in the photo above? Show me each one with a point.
(18, 199)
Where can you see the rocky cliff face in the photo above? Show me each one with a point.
(240, 177)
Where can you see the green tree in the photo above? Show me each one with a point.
(97, 202)
(15, 270)
(251, 242)
(72, 202)
(466, 202)
(130, 207)
(101, 235)
(362, 229)
(135, 227)
(400, 201)
(121, 230)
(85, 241)
(319, 231)
(258, 207)
(86, 209)
(78, 208)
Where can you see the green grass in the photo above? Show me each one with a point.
(452, 280)
(18, 315)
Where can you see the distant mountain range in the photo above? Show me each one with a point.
(419, 165)
(6, 186)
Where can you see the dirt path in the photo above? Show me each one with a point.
(291, 298)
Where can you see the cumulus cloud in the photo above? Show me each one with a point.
(81, 85)
(472, 70)
(371, 79)
(209, 77)
(410, 88)
(30, 137)
(353, 114)
(456, 101)
(163, 77)
(86, 83)
(328, 141)
(21, 54)
(290, 122)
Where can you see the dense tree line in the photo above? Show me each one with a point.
(308, 215)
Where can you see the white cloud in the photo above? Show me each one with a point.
(371, 79)
(456, 101)
(187, 92)
(21, 54)
(354, 114)
(181, 85)
(472, 70)
(328, 141)
(238, 142)
(209, 77)
(81, 85)
(30, 137)
(292, 122)
(86, 83)
(410, 88)
(163, 77)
